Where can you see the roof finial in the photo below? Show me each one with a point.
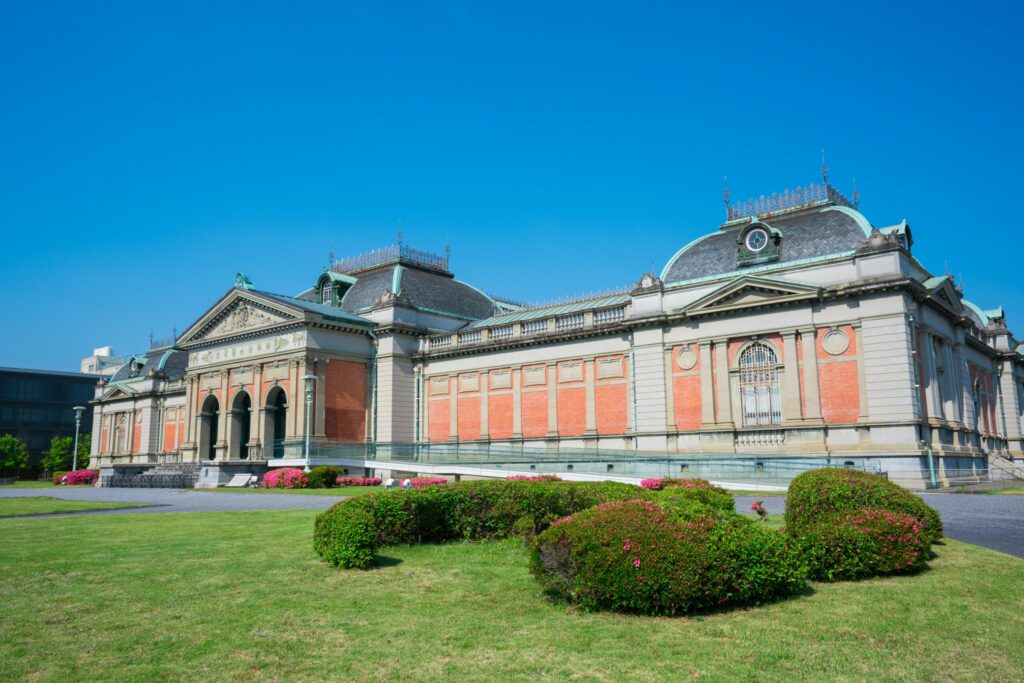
(824, 167)
(725, 192)
(399, 232)
(856, 195)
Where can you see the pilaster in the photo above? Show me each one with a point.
(552, 400)
(724, 398)
(810, 369)
(790, 380)
(590, 377)
(707, 399)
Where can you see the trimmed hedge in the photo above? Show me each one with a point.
(693, 489)
(862, 544)
(349, 533)
(819, 495)
(638, 556)
(323, 477)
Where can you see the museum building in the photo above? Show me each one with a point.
(796, 327)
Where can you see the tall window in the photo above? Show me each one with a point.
(759, 386)
(326, 295)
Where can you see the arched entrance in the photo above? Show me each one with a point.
(274, 422)
(241, 419)
(208, 424)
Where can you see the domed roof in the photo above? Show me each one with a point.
(428, 290)
(816, 232)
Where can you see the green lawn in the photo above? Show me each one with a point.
(242, 596)
(38, 505)
(28, 485)
(1008, 491)
(339, 491)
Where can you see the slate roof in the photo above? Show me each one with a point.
(171, 361)
(805, 234)
(423, 289)
(329, 312)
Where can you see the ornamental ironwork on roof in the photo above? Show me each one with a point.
(788, 200)
(394, 253)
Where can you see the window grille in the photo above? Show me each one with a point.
(535, 326)
(569, 322)
(325, 295)
(759, 386)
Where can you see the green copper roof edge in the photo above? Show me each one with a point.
(555, 310)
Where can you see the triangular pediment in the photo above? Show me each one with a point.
(942, 292)
(239, 312)
(749, 292)
(117, 391)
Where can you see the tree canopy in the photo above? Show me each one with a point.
(13, 454)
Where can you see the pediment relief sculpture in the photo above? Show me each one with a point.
(243, 316)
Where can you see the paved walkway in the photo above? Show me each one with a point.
(995, 522)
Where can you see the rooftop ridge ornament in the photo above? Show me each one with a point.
(391, 253)
(788, 200)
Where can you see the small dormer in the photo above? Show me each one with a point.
(331, 287)
(757, 243)
(902, 234)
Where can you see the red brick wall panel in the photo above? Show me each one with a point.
(469, 418)
(345, 401)
(499, 416)
(535, 413)
(572, 412)
(687, 401)
(840, 392)
(611, 408)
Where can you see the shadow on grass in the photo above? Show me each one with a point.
(383, 562)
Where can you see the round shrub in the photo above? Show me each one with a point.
(77, 477)
(463, 510)
(821, 494)
(323, 477)
(638, 556)
(691, 489)
(285, 478)
(864, 543)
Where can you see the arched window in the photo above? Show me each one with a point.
(759, 386)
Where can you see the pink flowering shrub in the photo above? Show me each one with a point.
(419, 482)
(666, 490)
(868, 542)
(77, 477)
(358, 481)
(285, 478)
(533, 477)
(639, 556)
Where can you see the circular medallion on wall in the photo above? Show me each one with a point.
(835, 342)
(686, 358)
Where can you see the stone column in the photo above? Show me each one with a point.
(790, 380)
(722, 383)
(670, 393)
(951, 393)
(932, 385)
(590, 378)
(258, 414)
(862, 388)
(517, 403)
(453, 408)
(707, 399)
(224, 421)
(484, 386)
(320, 398)
(813, 398)
(552, 400)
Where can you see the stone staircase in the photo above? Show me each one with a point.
(164, 476)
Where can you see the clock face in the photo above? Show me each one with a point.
(757, 240)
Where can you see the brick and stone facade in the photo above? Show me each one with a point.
(802, 329)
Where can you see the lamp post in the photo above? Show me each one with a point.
(78, 421)
(309, 379)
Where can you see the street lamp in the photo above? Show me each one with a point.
(309, 379)
(78, 421)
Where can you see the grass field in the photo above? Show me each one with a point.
(242, 596)
(1008, 491)
(39, 505)
(28, 485)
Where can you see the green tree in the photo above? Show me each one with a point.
(13, 454)
(58, 458)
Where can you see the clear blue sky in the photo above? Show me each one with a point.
(148, 151)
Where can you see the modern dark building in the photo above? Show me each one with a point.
(36, 405)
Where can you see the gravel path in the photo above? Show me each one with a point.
(995, 522)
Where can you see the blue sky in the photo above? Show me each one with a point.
(151, 150)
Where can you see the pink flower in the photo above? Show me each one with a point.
(636, 563)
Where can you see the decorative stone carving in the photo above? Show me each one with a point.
(571, 371)
(469, 382)
(438, 385)
(535, 375)
(835, 342)
(686, 359)
(243, 316)
(501, 379)
(276, 371)
(210, 381)
(609, 368)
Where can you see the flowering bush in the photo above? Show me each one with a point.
(825, 493)
(357, 481)
(285, 478)
(77, 477)
(349, 533)
(534, 477)
(864, 543)
(638, 556)
(419, 482)
(323, 477)
(667, 490)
